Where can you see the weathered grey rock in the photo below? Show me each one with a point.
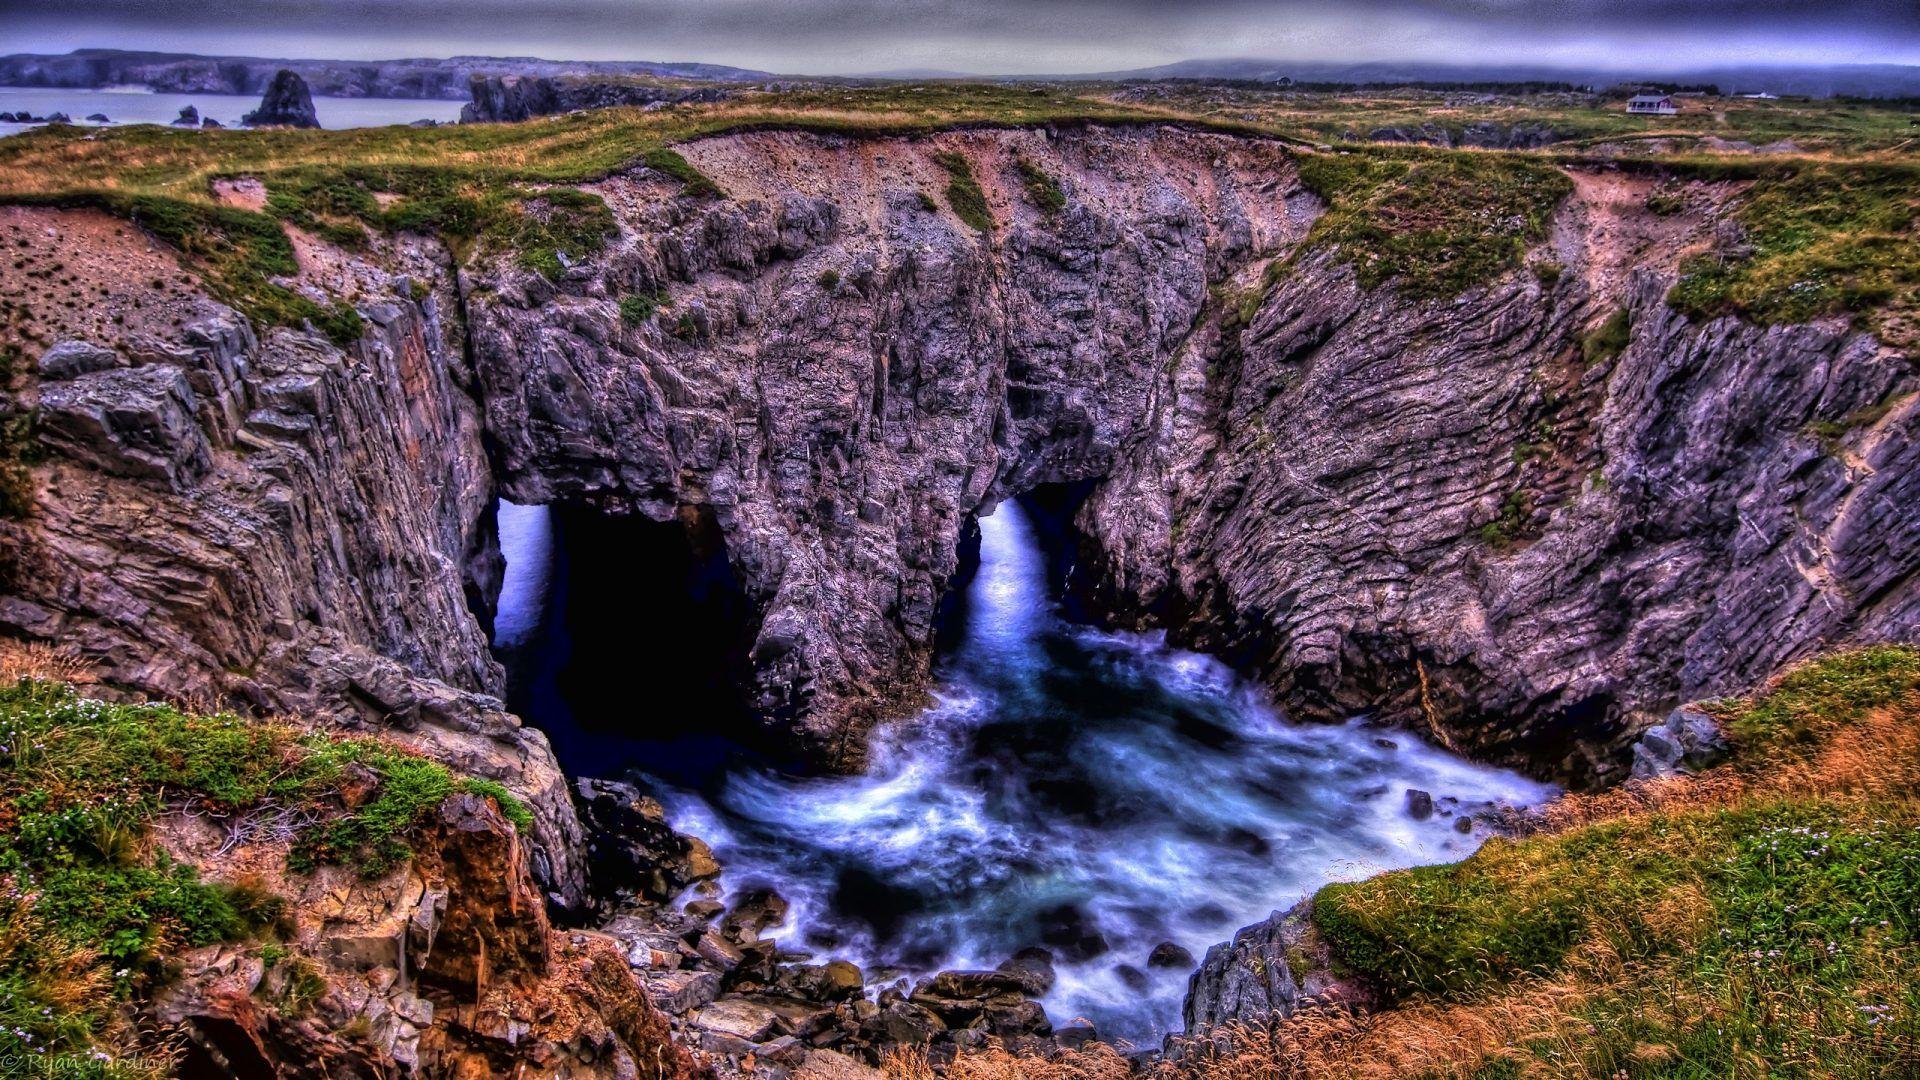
(738, 1018)
(1687, 741)
(71, 359)
(287, 103)
(1251, 978)
(131, 422)
(678, 992)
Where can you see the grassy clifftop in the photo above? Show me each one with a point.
(92, 911)
(1762, 919)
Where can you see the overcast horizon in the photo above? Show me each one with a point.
(1000, 37)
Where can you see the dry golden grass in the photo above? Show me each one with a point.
(43, 661)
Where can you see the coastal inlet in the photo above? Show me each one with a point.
(1121, 804)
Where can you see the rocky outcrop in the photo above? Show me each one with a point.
(507, 98)
(271, 524)
(287, 103)
(840, 437)
(1269, 971)
(445, 967)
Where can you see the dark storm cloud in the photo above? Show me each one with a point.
(997, 35)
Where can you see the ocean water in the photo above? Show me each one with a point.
(1091, 792)
(138, 106)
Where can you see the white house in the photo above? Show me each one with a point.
(1652, 105)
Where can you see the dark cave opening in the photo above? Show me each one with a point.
(1051, 509)
(635, 656)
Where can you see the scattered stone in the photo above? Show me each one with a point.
(1132, 976)
(1463, 823)
(705, 910)
(1419, 804)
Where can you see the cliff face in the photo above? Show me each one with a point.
(1456, 513)
(276, 525)
(1449, 512)
(840, 375)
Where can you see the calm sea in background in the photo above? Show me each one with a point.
(137, 106)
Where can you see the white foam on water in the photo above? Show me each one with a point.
(1146, 790)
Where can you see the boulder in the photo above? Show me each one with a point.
(971, 985)
(98, 118)
(59, 118)
(71, 359)
(1251, 978)
(288, 103)
(1170, 955)
(189, 117)
(1687, 741)
(754, 912)
(736, 1017)
(1419, 804)
(208, 122)
(1034, 967)
(635, 852)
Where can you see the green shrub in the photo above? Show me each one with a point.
(637, 308)
(969, 203)
(1043, 191)
(1604, 343)
(829, 279)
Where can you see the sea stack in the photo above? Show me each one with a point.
(288, 103)
(189, 117)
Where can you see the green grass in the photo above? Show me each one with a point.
(669, 161)
(1769, 930)
(1827, 239)
(91, 914)
(969, 203)
(1811, 702)
(1434, 223)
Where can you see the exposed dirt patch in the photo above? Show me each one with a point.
(1607, 228)
(85, 274)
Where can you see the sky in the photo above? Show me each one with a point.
(994, 37)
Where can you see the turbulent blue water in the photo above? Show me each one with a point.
(138, 106)
(1094, 792)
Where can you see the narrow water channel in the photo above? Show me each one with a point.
(1088, 792)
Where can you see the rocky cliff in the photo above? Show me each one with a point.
(1530, 517)
(1454, 511)
(507, 98)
